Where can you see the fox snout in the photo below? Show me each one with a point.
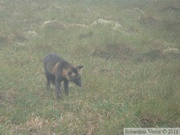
(77, 81)
(80, 85)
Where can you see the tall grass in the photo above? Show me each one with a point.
(131, 74)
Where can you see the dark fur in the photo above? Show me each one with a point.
(58, 70)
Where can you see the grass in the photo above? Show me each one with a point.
(130, 50)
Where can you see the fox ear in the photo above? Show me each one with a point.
(79, 67)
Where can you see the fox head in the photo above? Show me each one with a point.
(74, 75)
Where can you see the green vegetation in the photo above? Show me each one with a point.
(131, 53)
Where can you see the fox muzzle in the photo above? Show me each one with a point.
(77, 81)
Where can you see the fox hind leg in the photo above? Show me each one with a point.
(50, 79)
(48, 84)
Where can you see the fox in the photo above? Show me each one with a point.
(58, 70)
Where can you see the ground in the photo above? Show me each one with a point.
(131, 56)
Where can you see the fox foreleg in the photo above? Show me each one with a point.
(66, 87)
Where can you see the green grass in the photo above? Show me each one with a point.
(131, 59)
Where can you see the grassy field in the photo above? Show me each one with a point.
(131, 53)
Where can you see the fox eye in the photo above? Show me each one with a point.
(70, 73)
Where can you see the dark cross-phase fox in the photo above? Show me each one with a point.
(58, 70)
